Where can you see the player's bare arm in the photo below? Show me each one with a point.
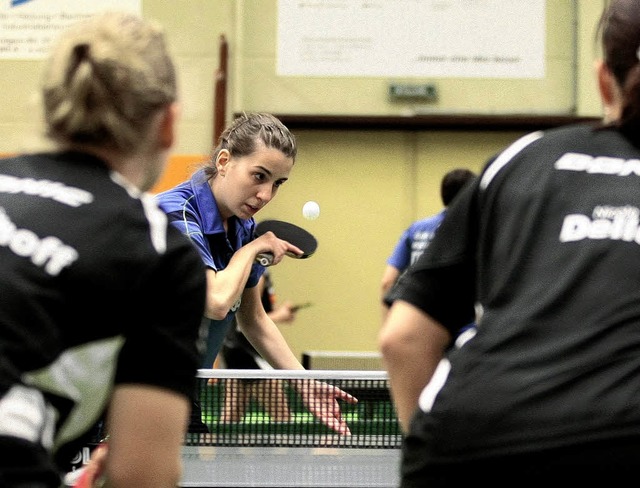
(412, 345)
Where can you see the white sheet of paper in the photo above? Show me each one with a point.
(412, 38)
(27, 27)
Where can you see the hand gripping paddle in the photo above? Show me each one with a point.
(297, 236)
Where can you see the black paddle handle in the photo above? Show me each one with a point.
(265, 259)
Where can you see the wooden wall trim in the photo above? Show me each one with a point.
(469, 122)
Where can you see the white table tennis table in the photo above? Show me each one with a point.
(208, 467)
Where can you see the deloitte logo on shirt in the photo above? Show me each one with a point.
(615, 223)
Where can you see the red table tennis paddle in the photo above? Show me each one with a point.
(286, 231)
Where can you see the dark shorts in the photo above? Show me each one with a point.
(239, 358)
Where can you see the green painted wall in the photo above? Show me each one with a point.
(370, 184)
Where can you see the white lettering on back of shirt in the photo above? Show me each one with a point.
(606, 222)
(47, 252)
(54, 190)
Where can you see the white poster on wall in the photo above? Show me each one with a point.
(27, 27)
(412, 38)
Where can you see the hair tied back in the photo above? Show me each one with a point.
(80, 54)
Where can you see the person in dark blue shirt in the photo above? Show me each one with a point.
(416, 238)
(215, 209)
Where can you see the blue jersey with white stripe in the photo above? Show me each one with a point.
(192, 208)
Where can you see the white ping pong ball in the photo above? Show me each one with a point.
(311, 210)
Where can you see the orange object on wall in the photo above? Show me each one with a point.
(179, 168)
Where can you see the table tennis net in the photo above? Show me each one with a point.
(266, 408)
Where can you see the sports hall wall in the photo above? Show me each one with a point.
(371, 172)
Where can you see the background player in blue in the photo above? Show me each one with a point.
(215, 209)
(95, 286)
(416, 238)
(547, 241)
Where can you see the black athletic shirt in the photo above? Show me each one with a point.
(95, 288)
(547, 241)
